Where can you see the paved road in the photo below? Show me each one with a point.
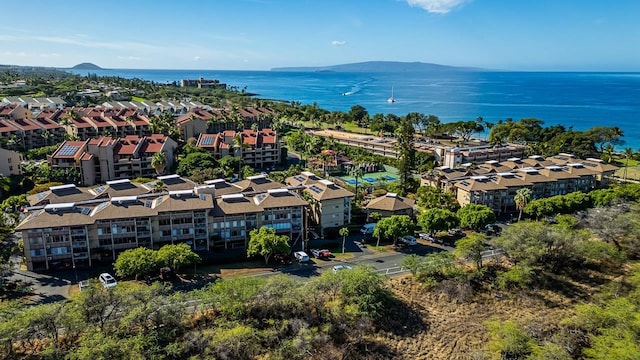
(56, 286)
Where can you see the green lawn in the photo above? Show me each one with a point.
(138, 99)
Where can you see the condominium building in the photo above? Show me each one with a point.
(65, 235)
(22, 130)
(454, 157)
(197, 121)
(259, 149)
(330, 205)
(559, 175)
(104, 158)
(203, 83)
(85, 123)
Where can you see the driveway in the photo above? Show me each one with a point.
(43, 288)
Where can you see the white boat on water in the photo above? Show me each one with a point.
(391, 99)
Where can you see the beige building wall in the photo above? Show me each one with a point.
(10, 162)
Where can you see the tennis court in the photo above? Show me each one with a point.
(371, 178)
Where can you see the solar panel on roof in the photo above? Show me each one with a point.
(299, 178)
(207, 140)
(465, 183)
(42, 195)
(100, 207)
(85, 210)
(315, 189)
(68, 150)
(99, 190)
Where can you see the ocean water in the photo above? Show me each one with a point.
(574, 99)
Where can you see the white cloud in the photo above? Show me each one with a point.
(338, 43)
(130, 57)
(437, 6)
(196, 58)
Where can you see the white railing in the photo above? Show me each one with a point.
(402, 269)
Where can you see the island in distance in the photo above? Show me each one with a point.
(87, 66)
(379, 66)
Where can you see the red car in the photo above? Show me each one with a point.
(324, 253)
(321, 254)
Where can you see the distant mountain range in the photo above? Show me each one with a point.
(379, 66)
(87, 66)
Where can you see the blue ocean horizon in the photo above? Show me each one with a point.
(580, 100)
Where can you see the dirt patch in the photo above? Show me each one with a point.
(428, 325)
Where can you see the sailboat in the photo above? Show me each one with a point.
(391, 99)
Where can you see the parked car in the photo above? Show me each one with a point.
(455, 232)
(367, 229)
(83, 284)
(301, 256)
(324, 253)
(425, 236)
(409, 240)
(338, 268)
(107, 280)
(492, 229)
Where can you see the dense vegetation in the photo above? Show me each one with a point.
(330, 317)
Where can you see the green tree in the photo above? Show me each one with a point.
(159, 162)
(159, 187)
(344, 232)
(359, 115)
(508, 340)
(394, 227)
(177, 255)
(522, 198)
(475, 217)
(364, 287)
(357, 173)
(471, 247)
(628, 154)
(437, 219)
(134, 262)
(265, 242)
(229, 164)
(193, 161)
(433, 197)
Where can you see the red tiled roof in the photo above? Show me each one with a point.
(86, 156)
(249, 137)
(153, 144)
(6, 126)
(268, 136)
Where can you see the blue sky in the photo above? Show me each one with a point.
(533, 35)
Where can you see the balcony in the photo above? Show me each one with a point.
(79, 244)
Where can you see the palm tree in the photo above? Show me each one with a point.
(46, 135)
(159, 162)
(159, 187)
(343, 232)
(521, 199)
(609, 151)
(628, 154)
(357, 173)
(239, 145)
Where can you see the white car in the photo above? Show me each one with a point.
(337, 268)
(409, 240)
(301, 256)
(425, 236)
(83, 284)
(107, 280)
